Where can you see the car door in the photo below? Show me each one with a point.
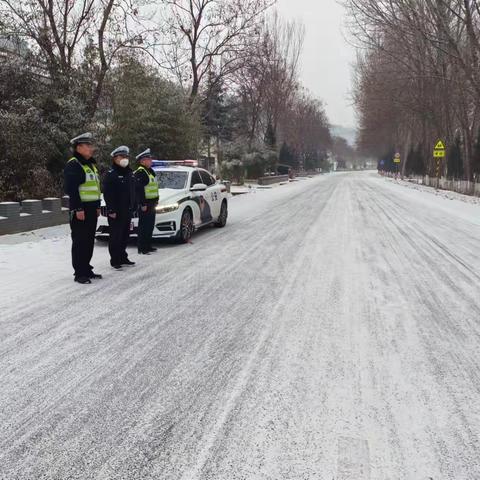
(212, 193)
(201, 209)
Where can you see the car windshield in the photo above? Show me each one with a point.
(169, 179)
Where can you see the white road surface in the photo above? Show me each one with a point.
(330, 331)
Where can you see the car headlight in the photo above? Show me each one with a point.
(167, 208)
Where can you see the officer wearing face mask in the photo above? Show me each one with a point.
(119, 195)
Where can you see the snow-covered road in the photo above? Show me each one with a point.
(331, 331)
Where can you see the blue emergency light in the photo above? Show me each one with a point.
(160, 163)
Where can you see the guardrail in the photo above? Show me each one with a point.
(273, 179)
(459, 186)
(32, 214)
(29, 215)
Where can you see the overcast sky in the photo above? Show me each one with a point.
(327, 57)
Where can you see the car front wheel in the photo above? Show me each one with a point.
(222, 218)
(186, 227)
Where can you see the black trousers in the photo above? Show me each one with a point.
(146, 224)
(83, 241)
(118, 240)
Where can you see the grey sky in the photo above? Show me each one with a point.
(327, 57)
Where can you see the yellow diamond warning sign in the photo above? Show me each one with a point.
(439, 149)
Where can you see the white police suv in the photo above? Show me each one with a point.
(190, 198)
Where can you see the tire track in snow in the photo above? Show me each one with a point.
(436, 326)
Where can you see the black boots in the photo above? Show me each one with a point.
(82, 280)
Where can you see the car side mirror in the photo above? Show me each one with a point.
(199, 187)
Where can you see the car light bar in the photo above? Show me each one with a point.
(173, 163)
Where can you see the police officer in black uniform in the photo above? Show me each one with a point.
(147, 199)
(82, 185)
(119, 195)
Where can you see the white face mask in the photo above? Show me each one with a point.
(123, 162)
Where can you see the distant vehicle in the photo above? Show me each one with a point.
(190, 198)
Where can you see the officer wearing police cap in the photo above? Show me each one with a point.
(147, 199)
(119, 194)
(82, 185)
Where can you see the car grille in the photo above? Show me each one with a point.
(105, 229)
(166, 226)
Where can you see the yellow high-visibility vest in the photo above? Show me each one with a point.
(151, 188)
(89, 190)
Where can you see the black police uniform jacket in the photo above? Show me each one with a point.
(119, 190)
(74, 176)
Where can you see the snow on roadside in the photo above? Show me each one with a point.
(259, 200)
(29, 260)
(446, 194)
(450, 203)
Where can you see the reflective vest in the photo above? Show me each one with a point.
(151, 188)
(90, 190)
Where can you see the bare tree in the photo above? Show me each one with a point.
(209, 34)
(268, 79)
(306, 129)
(283, 46)
(420, 71)
(60, 31)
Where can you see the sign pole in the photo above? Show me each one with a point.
(397, 161)
(439, 152)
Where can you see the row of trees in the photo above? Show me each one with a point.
(417, 80)
(188, 78)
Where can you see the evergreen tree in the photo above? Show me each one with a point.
(219, 113)
(214, 110)
(149, 110)
(287, 155)
(389, 165)
(455, 160)
(270, 136)
(476, 157)
(35, 127)
(415, 161)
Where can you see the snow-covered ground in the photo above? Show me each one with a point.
(331, 331)
(446, 194)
